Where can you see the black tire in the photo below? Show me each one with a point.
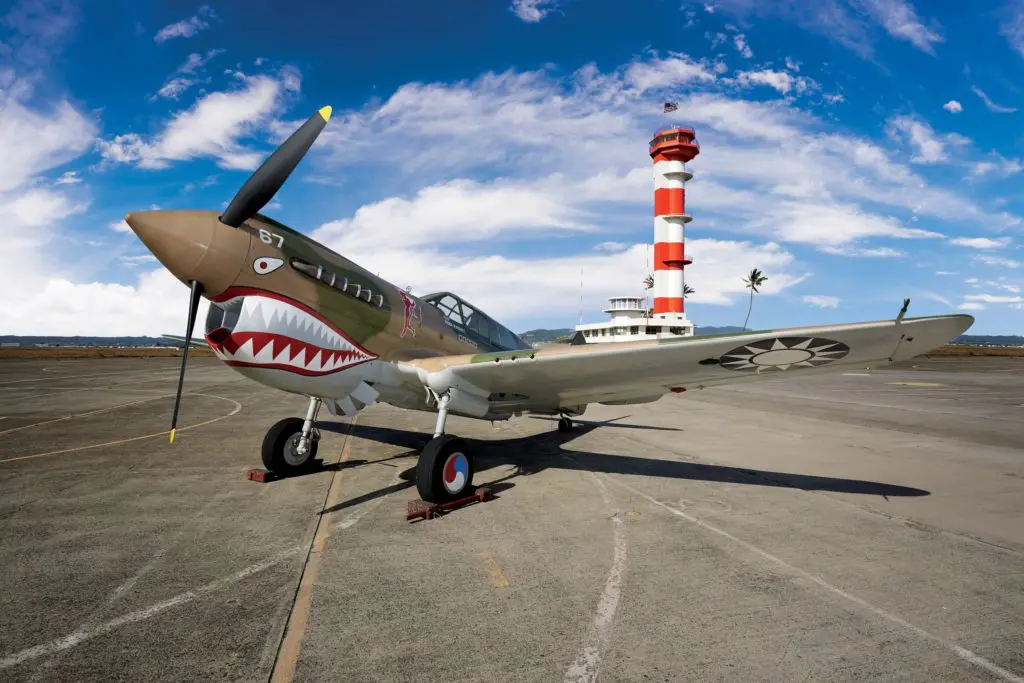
(564, 425)
(430, 470)
(279, 446)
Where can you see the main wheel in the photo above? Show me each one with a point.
(280, 448)
(445, 470)
(564, 424)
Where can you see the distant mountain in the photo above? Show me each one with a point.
(990, 339)
(88, 341)
(534, 336)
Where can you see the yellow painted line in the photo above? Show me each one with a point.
(498, 578)
(298, 620)
(915, 384)
(856, 374)
(238, 407)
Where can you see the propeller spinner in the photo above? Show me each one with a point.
(253, 196)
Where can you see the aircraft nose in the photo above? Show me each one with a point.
(193, 245)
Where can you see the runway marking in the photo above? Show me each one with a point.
(856, 374)
(915, 384)
(91, 412)
(959, 651)
(498, 578)
(234, 411)
(98, 374)
(588, 663)
(80, 636)
(283, 668)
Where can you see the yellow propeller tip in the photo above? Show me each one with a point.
(172, 436)
(325, 113)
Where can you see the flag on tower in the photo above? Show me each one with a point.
(670, 106)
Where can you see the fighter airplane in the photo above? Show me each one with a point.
(290, 313)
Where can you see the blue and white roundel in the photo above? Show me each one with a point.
(456, 472)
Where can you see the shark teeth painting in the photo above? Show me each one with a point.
(272, 332)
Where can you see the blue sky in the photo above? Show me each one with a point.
(856, 151)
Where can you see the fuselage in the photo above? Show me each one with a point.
(290, 313)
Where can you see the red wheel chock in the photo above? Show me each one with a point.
(421, 508)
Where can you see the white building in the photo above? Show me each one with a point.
(631, 320)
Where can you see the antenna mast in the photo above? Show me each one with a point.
(581, 295)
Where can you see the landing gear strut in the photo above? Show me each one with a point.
(445, 468)
(564, 424)
(290, 446)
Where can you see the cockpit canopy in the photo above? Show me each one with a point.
(475, 324)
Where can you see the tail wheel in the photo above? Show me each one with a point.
(445, 470)
(280, 448)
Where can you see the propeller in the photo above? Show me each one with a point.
(254, 195)
(193, 306)
(269, 177)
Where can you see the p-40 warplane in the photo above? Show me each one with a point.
(290, 313)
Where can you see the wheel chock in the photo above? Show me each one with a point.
(266, 476)
(262, 476)
(421, 508)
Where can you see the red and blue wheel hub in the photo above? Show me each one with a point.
(456, 473)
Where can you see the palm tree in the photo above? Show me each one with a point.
(752, 282)
(687, 290)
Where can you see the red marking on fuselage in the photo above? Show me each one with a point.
(410, 308)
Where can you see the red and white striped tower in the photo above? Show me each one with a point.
(671, 149)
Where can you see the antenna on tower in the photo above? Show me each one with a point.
(581, 295)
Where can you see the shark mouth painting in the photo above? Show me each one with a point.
(261, 329)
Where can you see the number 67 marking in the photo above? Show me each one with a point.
(268, 237)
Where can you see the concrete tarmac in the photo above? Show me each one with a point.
(842, 526)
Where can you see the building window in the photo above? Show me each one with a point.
(635, 329)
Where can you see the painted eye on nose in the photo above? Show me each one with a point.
(266, 264)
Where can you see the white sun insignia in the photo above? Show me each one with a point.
(783, 353)
(266, 264)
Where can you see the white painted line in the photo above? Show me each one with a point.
(80, 636)
(91, 412)
(856, 374)
(588, 665)
(959, 651)
(234, 411)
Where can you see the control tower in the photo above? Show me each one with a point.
(671, 149)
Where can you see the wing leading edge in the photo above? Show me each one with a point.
(564, 376)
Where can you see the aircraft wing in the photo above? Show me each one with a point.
(563, 376)
(193, 342)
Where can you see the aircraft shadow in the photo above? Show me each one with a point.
(538, 452)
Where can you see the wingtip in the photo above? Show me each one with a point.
(325, 113)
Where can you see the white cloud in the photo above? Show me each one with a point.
(996, 165)
(900, 20)
(532, 11)
(953, 107)
(930, 148)
(981, 242)
(995, 298)
(971, 306)
(213, 127)
(875, 252)
(120, 226)
(821, 301)
(611, 246)
(999, 261)
(946, 272)
(1012, 27)
(34, 141)
(992, 106)
(740, 41)
(834, 98)
(782, 81)
(136, 261)
(68, 178)
(186, 75)
(186, 28)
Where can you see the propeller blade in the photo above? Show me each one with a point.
(268, 178)
(193, 306)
